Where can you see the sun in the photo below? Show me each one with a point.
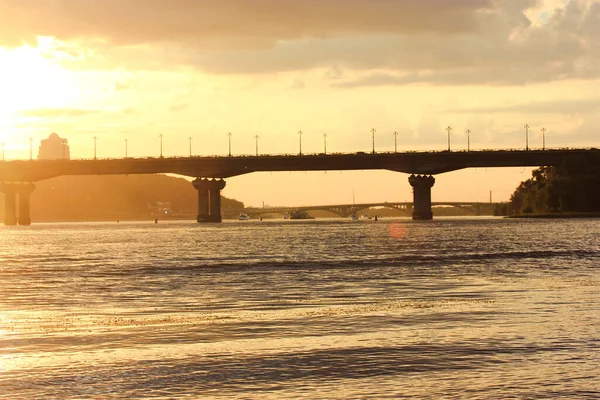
(31, 78)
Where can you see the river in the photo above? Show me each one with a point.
(450, 308)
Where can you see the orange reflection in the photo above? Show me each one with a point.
(398, 231)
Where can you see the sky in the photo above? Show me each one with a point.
(136, 69)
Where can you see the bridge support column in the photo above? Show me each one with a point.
(209, 199)
(24, 207)
(215, 200)
(203, 188)
(10, 204)
(422, 185)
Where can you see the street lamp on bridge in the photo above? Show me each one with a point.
(256, 143)
(373, 136)
(95, 138)
(229, 134)
(30, 149)
(543, 138)
(190, 140)
(449, 129)
(3, 152)
(161, 144)
(125, 148)
(325, 143)
(526, 137)
(395, 142)
(468, 132)
(300, 135)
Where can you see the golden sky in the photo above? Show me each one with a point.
(135, 69)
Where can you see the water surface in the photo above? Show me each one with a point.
(450, 308)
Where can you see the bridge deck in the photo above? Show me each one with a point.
(223, 167)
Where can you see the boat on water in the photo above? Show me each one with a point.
(301, 215)
(244, 217)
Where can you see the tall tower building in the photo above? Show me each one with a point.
(54, 148)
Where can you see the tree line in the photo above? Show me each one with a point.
(573, 186)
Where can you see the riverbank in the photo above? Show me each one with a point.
(558, 215)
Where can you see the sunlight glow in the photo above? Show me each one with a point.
(31, 77)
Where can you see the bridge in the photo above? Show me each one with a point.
(17, 177)
(346, 210)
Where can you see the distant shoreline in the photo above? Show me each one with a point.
(558, 215)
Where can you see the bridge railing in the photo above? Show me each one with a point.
(361, 153)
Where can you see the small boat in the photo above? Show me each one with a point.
(244, 217)
(354, 215)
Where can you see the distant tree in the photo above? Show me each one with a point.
(572, 186)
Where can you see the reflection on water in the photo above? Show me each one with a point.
(477, 308)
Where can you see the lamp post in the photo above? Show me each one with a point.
(125, 148)
(95, 138)
(449, 129)
(543, 138)
(468, 132)
(373, 136)
(229, 134)
(526, 137)
(300, 135)
(190, 140)
(395, 142)
(256, 143)
(3, 152)
(324, 143)
(161, 145)
(30, 149)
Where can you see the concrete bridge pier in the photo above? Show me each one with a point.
(422, 185)
(11, 190)
(203, 188)
(345, 212)
(24, 207)
(10, 204)
(209, 199)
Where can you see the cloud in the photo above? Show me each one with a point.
(387, 42)
(129, 111)
(238, 23)
(175, 108)
(57, 112)
(120, 86)
(298, 84)
(584, 106)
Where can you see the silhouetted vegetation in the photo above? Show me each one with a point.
(85, 198)
(572, 187)
(501, 209)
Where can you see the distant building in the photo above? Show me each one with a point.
(160, 208)
(54, 148)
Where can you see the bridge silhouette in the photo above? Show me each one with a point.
(17, 177)
(346, 210)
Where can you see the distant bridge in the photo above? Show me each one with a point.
(345, 210)
(17, 177)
